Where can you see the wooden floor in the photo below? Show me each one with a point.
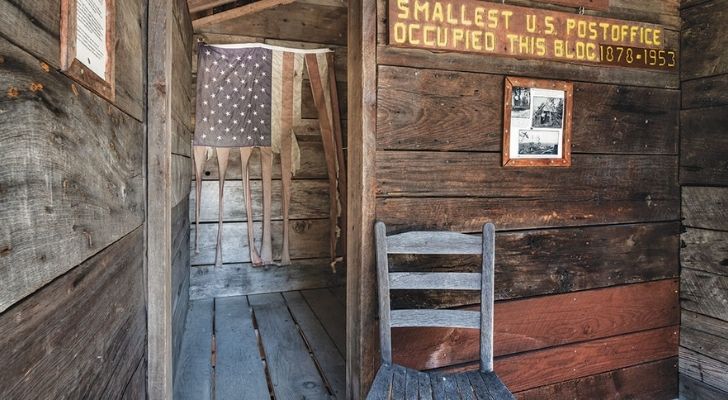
(287, 345)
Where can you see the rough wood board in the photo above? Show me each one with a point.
(292, 372)
(705, 92)
(704, 369)
(331, 314)
(330, 361)
(35, 26)
(436, 318)
(422, 109)
(180, 289)
(715, 347)
(704, 293)
(654, 380)
(538, 262)
(309, 199)
(542, 322)
(704, 145)
(704, 36)
(705, 207)
(309, 239)
(66, 200)
(243, 279)
(136, 389)
(704, 250)
(239, 370)
(704, 323)
(462, 191)
(691, 389)
(90, 320)
(194, 375)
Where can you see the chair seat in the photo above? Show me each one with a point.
(394, 382)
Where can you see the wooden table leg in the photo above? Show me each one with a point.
(199, 153)
(266, 166)
(223, 155)
(245, 153)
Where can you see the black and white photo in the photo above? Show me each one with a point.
(538, 142)
(548, 112)
(521, 107)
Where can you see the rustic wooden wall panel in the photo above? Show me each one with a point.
(71, 177)
(703, 172)
(279, 26)
(35, 26)
(83, 335)
(564, 234)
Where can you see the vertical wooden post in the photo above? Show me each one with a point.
(361, 301)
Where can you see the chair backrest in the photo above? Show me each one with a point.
(426, 242)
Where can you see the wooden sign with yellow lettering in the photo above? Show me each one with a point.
(474, 26)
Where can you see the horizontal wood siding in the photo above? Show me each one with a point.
(72, 247)
(704, 176)
(325, 27)
(586, 256)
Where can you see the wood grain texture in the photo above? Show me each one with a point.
(90, 320)
(35, 26)
(653, 380)
(136, 389)
(66, 199)
(705, 207)
(243, 279)
(308, 240)
(435, 318)
(704, 293)
(704, 250)
(704, 369)
(705, 92)
(433, 242)
(704, 40)
(193, 376)
(542, 322)
(421, 109)
(331, 314)
(461, 191)
(703, 146)
(692, 389)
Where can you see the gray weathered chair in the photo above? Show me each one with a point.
(397, 382)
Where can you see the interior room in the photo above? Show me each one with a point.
(364, 199)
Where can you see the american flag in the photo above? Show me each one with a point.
(234, 96)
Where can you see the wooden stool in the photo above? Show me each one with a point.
(397, 382)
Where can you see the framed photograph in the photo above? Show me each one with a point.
(88, 38)
(537, 123)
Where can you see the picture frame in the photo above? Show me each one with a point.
(89, 60)
(537, 122)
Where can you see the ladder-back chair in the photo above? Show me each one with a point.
(397, 382)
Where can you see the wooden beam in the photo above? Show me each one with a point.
(202, 5)
(248, 9)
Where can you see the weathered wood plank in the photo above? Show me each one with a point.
(322, 346)
(421, 109)
(435, 280)
(541, 322)
(180, 289)
(705, 207)
(239, 371)
(704, 39)
(91, 321)
(704, 250)
(243, 279)
(704, 323)
(194, 378)
(381, 385)
(715, 347)
(309, 199)
(412, 386)
(292, 372)
(704, 145)
(593, 191)
(181, 168)
(331, 314)
(704, 369)
(705, 92)
(309, 239)
(433, 242)
(704, 293)
(435, 318)
(692, 389)
(136, 389)
(579, 360)
(653, 380)
(65, 199)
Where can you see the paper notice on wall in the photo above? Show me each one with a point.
(91, 35)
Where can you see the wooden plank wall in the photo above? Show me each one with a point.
(72, 307)
(309, 209)
(587, 257)
(704, 177)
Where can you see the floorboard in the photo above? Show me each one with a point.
(331, 313)
(194, 374)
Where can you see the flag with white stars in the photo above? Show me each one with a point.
(234, 93)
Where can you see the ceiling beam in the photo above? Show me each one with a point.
(202, 5)
(247, 9)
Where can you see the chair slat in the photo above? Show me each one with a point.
(435, 318)
(435, 280)
(424, 242)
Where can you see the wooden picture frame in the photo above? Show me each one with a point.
(72, 66)
(533, 123)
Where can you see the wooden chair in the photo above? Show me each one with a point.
(397, 382)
